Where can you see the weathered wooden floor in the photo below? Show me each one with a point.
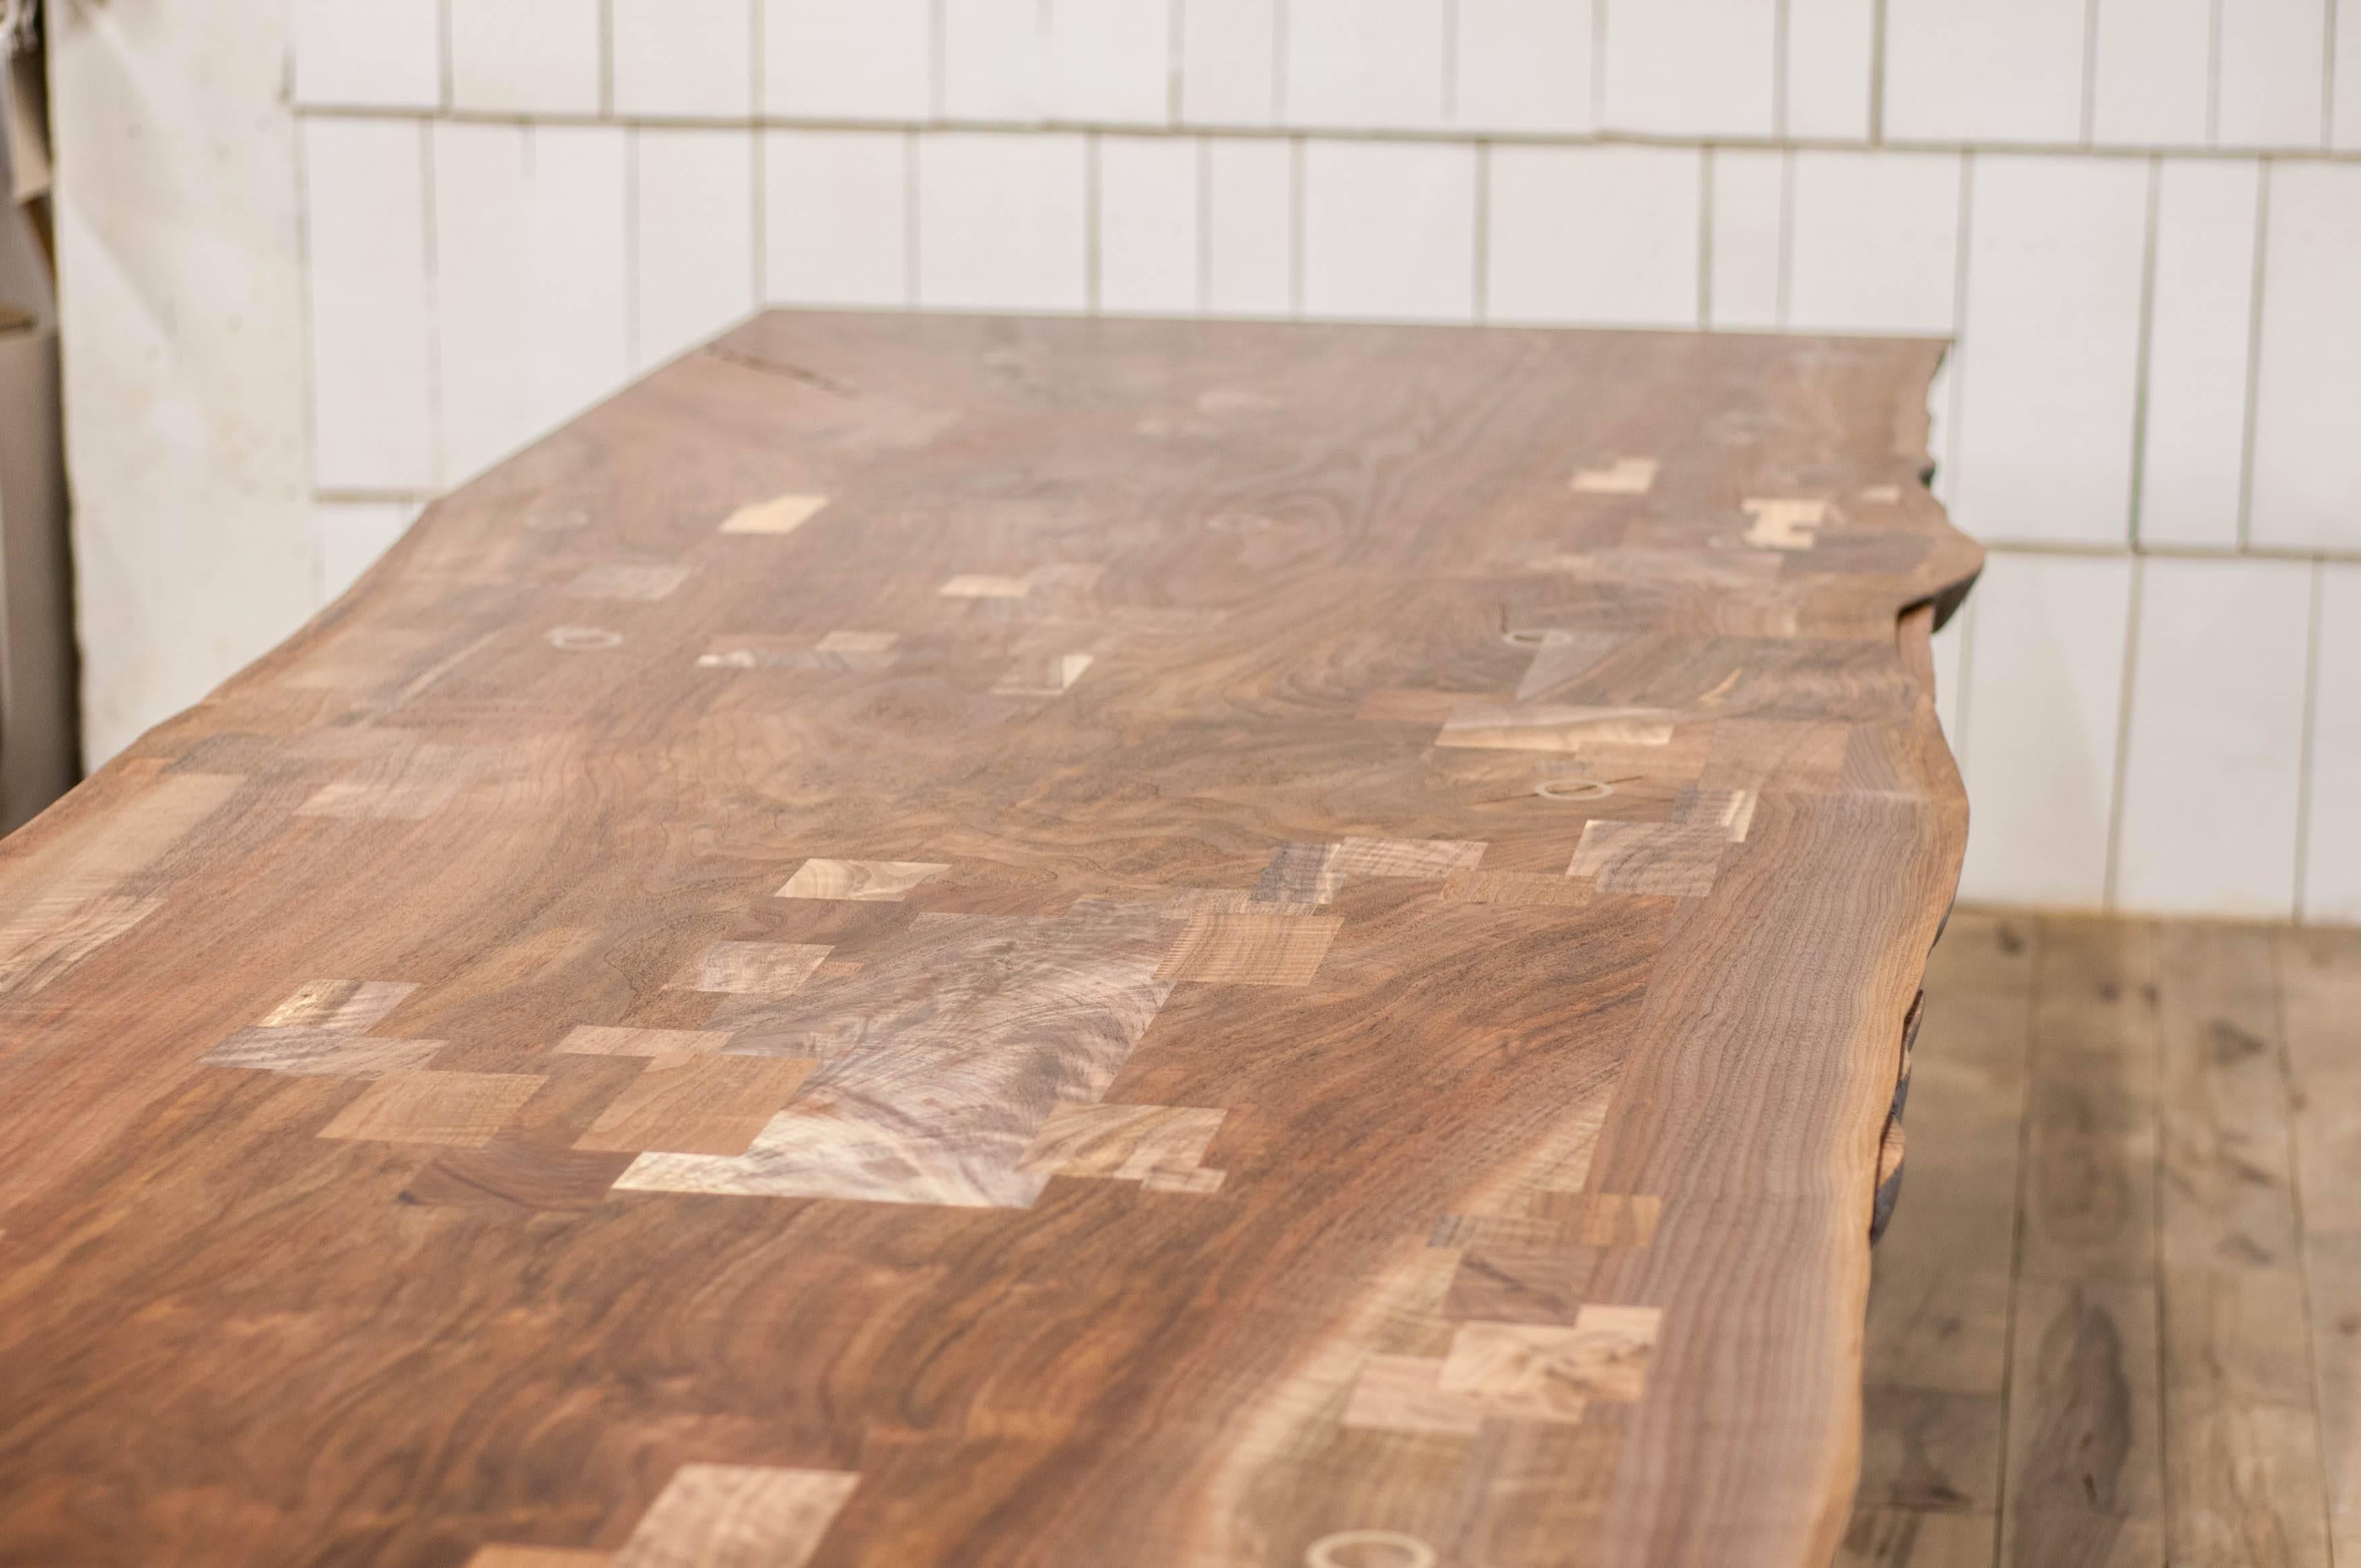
(2117, 1318)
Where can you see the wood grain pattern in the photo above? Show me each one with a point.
(950, 941)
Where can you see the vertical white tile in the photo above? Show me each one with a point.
(1148, 225)
(2331, 865)
(2307, 464)
(836, 218)
(578, 306)
(1876, 242)
(349, 536)
(2152, 75)
(2345, 131)
(1831, 46)
(1111, 62)
(1389, 230)
(2004, 70)
(2057, 246)
(2215, 750)
(526, 57)
(1690, 67)
(2200, 325)
(1366, 64)
(1601, 235)
(482, 174)
(694, 247)
(684, 58)
(996, 61)
(2272, 73)
(1950, 647)
(372, 391)
(1229, 62)
(368, 53)
(1249, 227)
(1524, 65)
(1750, 225)
(1002, 222)
(2043, 690)
(826, 60)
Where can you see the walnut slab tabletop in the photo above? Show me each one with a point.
(970, 942)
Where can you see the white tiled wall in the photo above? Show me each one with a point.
(2141, 218)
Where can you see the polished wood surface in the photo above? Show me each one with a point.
(1063, 944)
(2115, 1322)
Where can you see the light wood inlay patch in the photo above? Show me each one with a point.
(538, 1557)
(736, 1516)
(1784, 524)
(1552, 727)
(628, 580)
(757, 969)
(880, 881)
(699, 1104)
(836, 651)
(780, 514)
(41, 943)
(1603, 1357)
(460, 1109)
(1731, 810)
(603, 1040)
(320, 1053)
(977, 586)
(1404, 1393)
(1407, 857)
(1250, 949)
(346, 1007)
(1160, 1145)
(1626, 476)
(1670, 858)
(1046, 676)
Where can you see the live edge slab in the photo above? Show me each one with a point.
(959, 943)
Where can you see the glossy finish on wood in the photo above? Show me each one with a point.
(935, 941)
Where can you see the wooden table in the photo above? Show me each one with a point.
(991, 942)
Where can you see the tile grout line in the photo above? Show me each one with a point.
(2144, 352)
(1093, 257)
(309, 335)
(1204, 228)
(759, 155)
(2090, 69)
(1176, 46)
(1598, 63)
(1480, 286)
(1448, 58)
(937, 66)
(1705, 240)
(910, 215)
(2306, 745)
(632, 248)
(1782, 21)
(2265, 169)
(606, 58)
(1954, 448)
(2124, 693)
(1279, 26)
(1295, 226)
(437, 458)
(1783, 281)
(1877, 72)
(2214, 73)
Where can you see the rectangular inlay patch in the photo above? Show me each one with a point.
(1407, 857)
(602, 1040)
(347, 1006)
(1250, 949)
(836, 651)
(320, 1053)
(1552, 727)
(780, 514)
(755, 968)
(1731, 810)
(539, 1557)
(1049, 675)
(941, 1061)
(1544, 1367)
(460, 1109)
(1784, 524)
(701, 1105)
(1123, 1143)
(628, 580)
(1671, 859)
(736, 1516)
(882, 882)
(1626, 476)
(39, 944)
(1404, 1393)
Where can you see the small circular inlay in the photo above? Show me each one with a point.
(1572, 789)
(1370, 1549)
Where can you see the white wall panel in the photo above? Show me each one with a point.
(1147, 211)
(2057, 246)
(1002, 224)
(1661, 75)
(1249, 227)
(2272, 73)
(1389, 230)
(1999, 72)
(1831, 59)
(1229, 62)
(684, 58)
(1600, 235)
(368, 53)
(2331, 867)
(372, 376)
(2152, 78)
(2307, 478)
(1524, 65)
(2345, 127)
(836, 212)
(1749, 237)
(527, 56)
(578, 306)
(2200, 324)
(2043, 691)
(482, 280)
(1366, 64)
(827, 60)
(2213, 771)
(1876, 242)
(694, 241)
